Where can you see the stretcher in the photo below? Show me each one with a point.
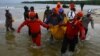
(58, 31)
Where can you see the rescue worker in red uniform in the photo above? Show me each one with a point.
(31, 13)
(34, 24)
(74, 26)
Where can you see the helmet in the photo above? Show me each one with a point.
(89, 11)
(80, 14)
(25, 7)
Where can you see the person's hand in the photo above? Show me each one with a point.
(83, 38)
(50, 25)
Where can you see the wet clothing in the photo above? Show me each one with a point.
(73, 29)
(34, 29)
(54, 19)
(34, 25)
(37, 39)
(85, 21)
(9, 21)
(86, 30)
(71, 35)
(62, 16)
(47, 13)
(26, 15)
(69, 42)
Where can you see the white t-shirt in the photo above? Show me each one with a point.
(71, 14)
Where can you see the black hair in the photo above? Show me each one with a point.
(32, 8)
(25, 8)
(7, 10)
(47, 6)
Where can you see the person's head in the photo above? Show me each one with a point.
(7, 11)
(89, 13)
(31, 15)
(35, 17)
(54, 11)
(58, 5)
(32, 8)
(25, 8)
(73, 9)
(71, 5)
(79, 15)
(47, 7)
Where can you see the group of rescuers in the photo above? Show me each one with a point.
(76, 25)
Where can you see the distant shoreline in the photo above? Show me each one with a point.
(95, 2)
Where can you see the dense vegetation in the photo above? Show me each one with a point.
(92, 2)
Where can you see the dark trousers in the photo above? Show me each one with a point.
(82, 7)
(86, 30)
(9, 26)
(29, 31)
(71, 43)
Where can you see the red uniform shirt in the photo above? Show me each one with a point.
(73, 29)
(33, 25)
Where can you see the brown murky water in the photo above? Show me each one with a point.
(14, 44)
